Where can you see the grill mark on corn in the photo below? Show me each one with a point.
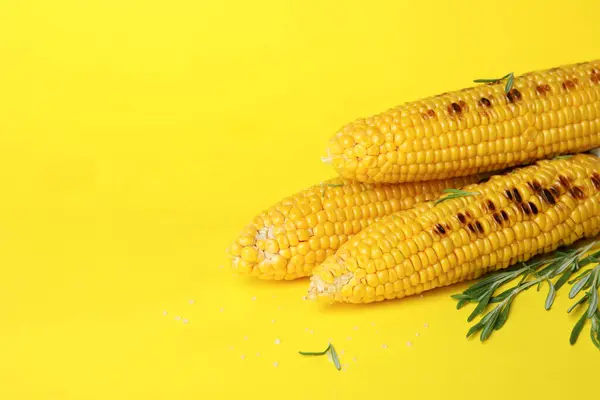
(471, 227)
(564, 181)
(577, 192)
(461, 217)
(454, 109)
(479, 227)
(490, 205)
(508, 194)
(498, 218)
(517, 195)
(569, 84)
(504, 215)
(485, 102)
(533, 208)
(596, 180)
(548, 197)
(535, 186)
(542, 90)
(440, 229)
(513, 95)
(428, 114)
(526, 208)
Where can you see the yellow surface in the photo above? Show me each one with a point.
(138, 137)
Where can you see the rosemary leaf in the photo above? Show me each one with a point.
(509, 82)
(454, 194)
(315, 353)
(563, 279)
(580, 301)
(474, 329)
(577, 287)
(577, 329)
(551, 296)
(593, 307)
(491, 323)
(481, 306)
(461, 303)
(335, 358)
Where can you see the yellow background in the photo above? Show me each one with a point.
(138, 137)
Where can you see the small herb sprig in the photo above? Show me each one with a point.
(510, 77)
(561, 264)
(323, 185)
(454, 194)
(331, 350)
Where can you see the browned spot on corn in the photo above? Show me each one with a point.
(569, 84)
(497, 218)
(504, 215)
(461, 217)
(472, 227)
(517, 195)
(508, 194)
(542, 90)
(490, 205)
(485, 102)
(513, 95)
(533, 208)
(454, 109)
(595, 76)
(577, 192)
(427, 115)
(596, 180)
(548, 197)
(564, 181)
(535, 186)
(440, 229)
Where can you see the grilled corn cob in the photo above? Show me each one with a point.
(508, 219)
(546, 113)
(290, 238)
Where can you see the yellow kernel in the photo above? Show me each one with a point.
(250, 254)
(372, 280)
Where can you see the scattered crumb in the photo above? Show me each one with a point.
(276, 364)
(377, 331)
(354, 359)
(242, 356)
(177, 318)
(311, 331)
(192, 301)
(164, 313)
(186, 321)
(330, 340)
(342, 352)
(220, 267)
(273, 296)
(421, 296)
(372, 323)
(304, 298)
(231, 347)
(384, 346)
(426, 325)
(257, 354)
(277, 341)
(355, 328)
(253, 298)
(221, 309)
(417, 334)
(245, 337)
(278, 308)
(272, 321)
(409, 344)
(348, 338)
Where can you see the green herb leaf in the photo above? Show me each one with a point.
(474, 329)
(335, 358)
(509, 82)
(563, 279)
(503, 316)
(491, 323)
(578, 286)
(454, 194)
(580, 301)
(315, 353)
(551, 296)
(593, 307)
(595, 335)
(461, 303)
(577, 329)
(481, 306)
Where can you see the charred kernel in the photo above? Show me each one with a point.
(543, 89)
(468, 214)
(577, 192)
(555, 191)
(517, 195)
(461, 217)
(498, 219)
(533, 208)
(526, 208)
(596, 180)
(509, 194)
(485, 102)
(568, 85)
(440, 229)
(463, 105)
(454, 108)
(595, 77)
(471, 227)
(535, 186)
(564, 181)
(429, 114)
(513, 95)
(491, 206)
(479, 226)
(504, 215)
(548, 197)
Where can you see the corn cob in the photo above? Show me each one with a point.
(510, 218)
(290, 238)
(478, 129)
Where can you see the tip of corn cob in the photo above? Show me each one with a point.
(329, 280)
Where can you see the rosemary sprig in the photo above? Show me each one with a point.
(331, 350)
(563, 157)
(510, 77)
(555, 270)
(454, 194)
